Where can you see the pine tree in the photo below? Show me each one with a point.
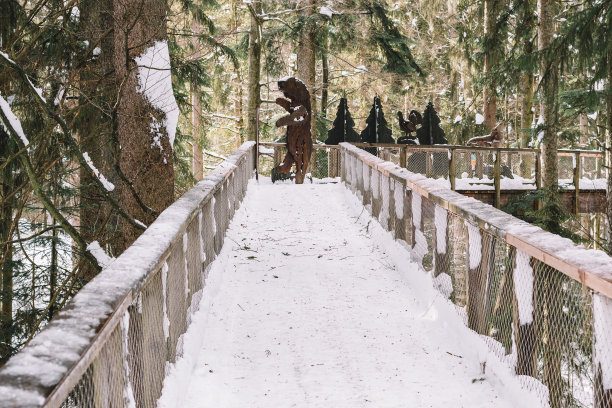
(343, 126)
(430, 133)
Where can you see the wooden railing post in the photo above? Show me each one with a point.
(403, 157)
(451, 169)
(576, 182)
(497, 178)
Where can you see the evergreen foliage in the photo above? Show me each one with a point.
(342, 130)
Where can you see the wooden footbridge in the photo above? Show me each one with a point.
(491, 175)
(531, 310)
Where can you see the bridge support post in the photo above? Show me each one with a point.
(481, 252)
(452, 169)
(602, 354)
(523, 314)
(441, 241)
(497, 178)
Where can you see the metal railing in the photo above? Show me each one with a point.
(542, 304)
(109, 347)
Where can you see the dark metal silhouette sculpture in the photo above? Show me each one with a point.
(376, 130)
(409, 126)
(299, 139)
(343, 126)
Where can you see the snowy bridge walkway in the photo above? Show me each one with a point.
(304, 307)
(383, 290)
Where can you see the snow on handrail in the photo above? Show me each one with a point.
(592, 268)
(50, 366)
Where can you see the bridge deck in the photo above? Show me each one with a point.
(305, 307)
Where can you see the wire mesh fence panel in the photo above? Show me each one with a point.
(127, 324)
(552, 331)
(517, 170)
(565, 168)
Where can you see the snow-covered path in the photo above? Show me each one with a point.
(304, 307)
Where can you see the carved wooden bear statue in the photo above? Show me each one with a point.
(299, 140)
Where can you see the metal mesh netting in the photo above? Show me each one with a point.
(551, 330)
(129, 368)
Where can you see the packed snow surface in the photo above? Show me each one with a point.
(311, 304)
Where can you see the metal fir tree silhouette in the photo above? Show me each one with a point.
(376, 130)
(430, 132)
(343, 126)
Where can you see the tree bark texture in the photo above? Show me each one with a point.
(489, 94)
(306, 59)
(609, 151)
(254, 70)
(548, 94)
(196, 112)
(148, 166)
(95, 126)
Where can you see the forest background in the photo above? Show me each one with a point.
(111, 109)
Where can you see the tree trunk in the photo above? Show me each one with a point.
(609, 152)
(98, 84)
(489, 94)
(306, 61)
(325, 78)
(238, 87)
(526, 88)
(254, 70)
(196, 114)
(6, 260)
(146, 149)
(548, 94)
